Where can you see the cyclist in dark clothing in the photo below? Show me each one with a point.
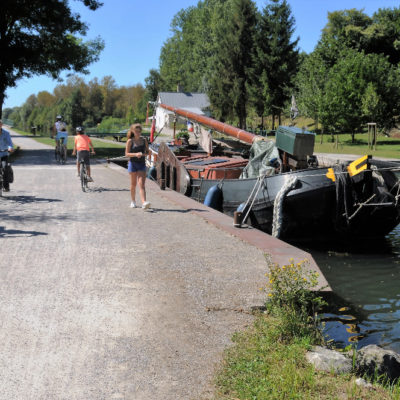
(6, 147)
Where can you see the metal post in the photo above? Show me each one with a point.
(174, 126)
(372, 135)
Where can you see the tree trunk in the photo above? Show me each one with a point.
(273, 121)
(1, 103)
(279, 119)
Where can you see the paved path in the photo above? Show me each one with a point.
(100, 301)
(331, 158)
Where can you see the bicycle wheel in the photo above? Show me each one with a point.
(83, 177)
(56, 154)
(63, 156)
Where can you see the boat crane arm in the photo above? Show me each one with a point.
(229, 130)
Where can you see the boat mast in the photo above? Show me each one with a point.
(230, 130)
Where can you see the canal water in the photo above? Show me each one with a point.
(365, 278)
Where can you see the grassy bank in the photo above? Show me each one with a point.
(103, 149)
(267, 361)
(386, 146)
(260, 365)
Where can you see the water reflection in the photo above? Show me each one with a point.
(365, 277)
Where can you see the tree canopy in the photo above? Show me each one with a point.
(245, 59)
(352, 76)
(80, 103)
(43, 37)
(275, 59)
(229, 73)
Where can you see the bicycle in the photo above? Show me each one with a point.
(60, 152)
(83, 175)
(2, 173)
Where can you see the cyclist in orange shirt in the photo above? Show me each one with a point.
(82, 146)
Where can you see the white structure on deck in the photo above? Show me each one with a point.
(193, 102)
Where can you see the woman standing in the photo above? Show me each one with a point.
(137, 148)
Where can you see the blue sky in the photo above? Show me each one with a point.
(135, 30)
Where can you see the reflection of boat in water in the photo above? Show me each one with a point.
(284, 189)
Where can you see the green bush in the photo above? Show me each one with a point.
(291, 295)
(112, 125)
(183, 134)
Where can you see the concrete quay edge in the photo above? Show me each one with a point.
(279, 251)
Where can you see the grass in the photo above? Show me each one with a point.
(386, 146)
(103, 149)
(262, 366)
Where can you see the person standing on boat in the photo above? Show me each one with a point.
(137, 148)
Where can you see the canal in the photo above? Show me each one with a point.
(365, 278)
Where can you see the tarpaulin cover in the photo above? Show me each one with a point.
(261, 153)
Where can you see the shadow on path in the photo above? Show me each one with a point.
(36, 217)
(29, 199)
(4, 233)
(35, 157)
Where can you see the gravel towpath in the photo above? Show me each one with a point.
(100, 301)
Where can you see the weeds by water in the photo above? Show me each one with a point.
(267, 361)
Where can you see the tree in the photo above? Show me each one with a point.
(94, 103)
(43, 37)
(229, 77)
(27, 109)
(276, 58)
(75, 113)
(153, 85)
(45, 99)
(310, 81)
(108, 88)
(379, 34)
(185, 56)
(353, 87)
(385, 36)
(371, 103)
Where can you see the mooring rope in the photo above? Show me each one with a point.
(360, 206)
(251, 193)
(259, 183)
(289, 185)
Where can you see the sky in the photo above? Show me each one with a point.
(135, 30)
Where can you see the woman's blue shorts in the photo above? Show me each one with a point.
(63, 136)
(136, 167)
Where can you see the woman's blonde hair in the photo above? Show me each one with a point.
(131, 130)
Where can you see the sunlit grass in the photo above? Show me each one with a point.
(258, 366)
(385, 147)
(103, 149)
